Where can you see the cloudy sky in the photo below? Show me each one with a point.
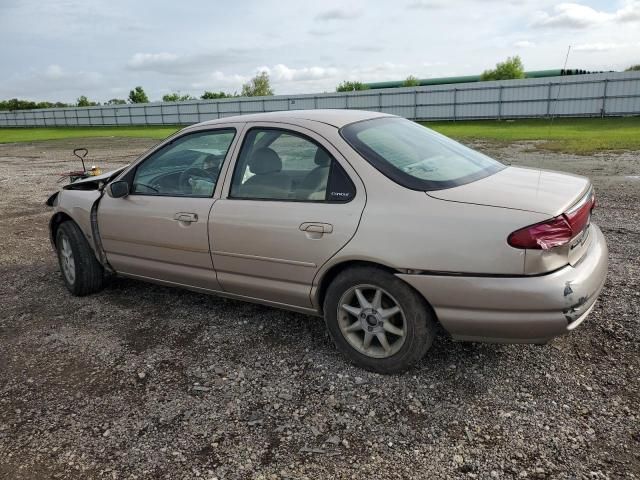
(60, 49)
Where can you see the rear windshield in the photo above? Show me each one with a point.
(415, 156)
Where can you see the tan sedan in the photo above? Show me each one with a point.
(380, 225)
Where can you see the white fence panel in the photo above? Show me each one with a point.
(601, 94)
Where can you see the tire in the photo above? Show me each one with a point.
(81, 271)
(408, 333)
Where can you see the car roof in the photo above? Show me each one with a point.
(336, 117)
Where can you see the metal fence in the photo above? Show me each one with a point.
(600, 94)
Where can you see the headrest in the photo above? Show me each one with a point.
(322, 158)
(263, 161)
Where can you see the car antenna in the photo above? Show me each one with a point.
(553, 109)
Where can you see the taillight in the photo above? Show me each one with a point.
(555, 232)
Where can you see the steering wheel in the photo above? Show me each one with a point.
(188, 174)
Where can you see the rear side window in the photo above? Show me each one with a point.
(276, 164)
(415, 156)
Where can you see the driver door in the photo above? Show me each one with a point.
(159, 230)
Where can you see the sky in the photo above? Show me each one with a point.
(58, 50)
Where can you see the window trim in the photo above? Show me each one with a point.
(131, 174)
(292, 200)
(398, 176)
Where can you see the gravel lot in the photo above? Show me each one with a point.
(142, 381)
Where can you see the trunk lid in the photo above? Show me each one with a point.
(520, 188)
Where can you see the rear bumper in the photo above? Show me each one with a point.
(517, 309)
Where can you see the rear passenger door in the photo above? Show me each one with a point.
(289, 203)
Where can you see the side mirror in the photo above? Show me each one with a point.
(118, 189)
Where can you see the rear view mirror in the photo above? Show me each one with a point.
(118, 189)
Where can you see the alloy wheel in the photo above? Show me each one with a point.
(372, 321)
(67, 261)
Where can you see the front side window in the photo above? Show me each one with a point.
(282, 165)
(188, 166)
(415, 156)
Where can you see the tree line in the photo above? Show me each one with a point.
(260, 86)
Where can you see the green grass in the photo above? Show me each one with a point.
(571, 135)
(11, 135)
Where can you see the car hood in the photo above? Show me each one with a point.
(528, 189)
(94, 183)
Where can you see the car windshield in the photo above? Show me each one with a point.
(415, 156)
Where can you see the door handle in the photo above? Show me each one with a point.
(316, 227)
(186, 217)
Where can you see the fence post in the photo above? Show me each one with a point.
(603, 111)
(218, 109)
(315, 102)
(415, 104)
(380, 102)
(455, 100)
(198, 111)
(500, 102)
(549, 99)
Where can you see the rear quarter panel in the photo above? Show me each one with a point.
(407, 229)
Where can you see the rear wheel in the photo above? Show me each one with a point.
(81, 271)
(377, 321)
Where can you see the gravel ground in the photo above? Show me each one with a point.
(142, 381)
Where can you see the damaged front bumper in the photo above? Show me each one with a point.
(530, 309)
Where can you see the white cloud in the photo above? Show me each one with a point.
(282, 73)
(573, 15)
(220, 81)
(54, 72)
(576, 15)
(320, 32)
(603, 46)
(424, 4)
(630, 12)
(187, 64)
(53, 83)
(101, 48)
(524, 44)
(339, 13)
(144, 61)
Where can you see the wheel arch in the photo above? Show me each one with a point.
(332, 272)
(54, 223)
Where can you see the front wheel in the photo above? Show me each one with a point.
(377, 321)
(81, 271)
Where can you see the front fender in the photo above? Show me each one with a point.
(74, 205)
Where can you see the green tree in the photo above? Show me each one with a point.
(137, 95)
(15, 104)
(511, 68)
(411, 81)
(348, 86)
(633, 68)
(207, 95)
(176, 97)
(85, 102)
(258, 86)
(116, 101)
